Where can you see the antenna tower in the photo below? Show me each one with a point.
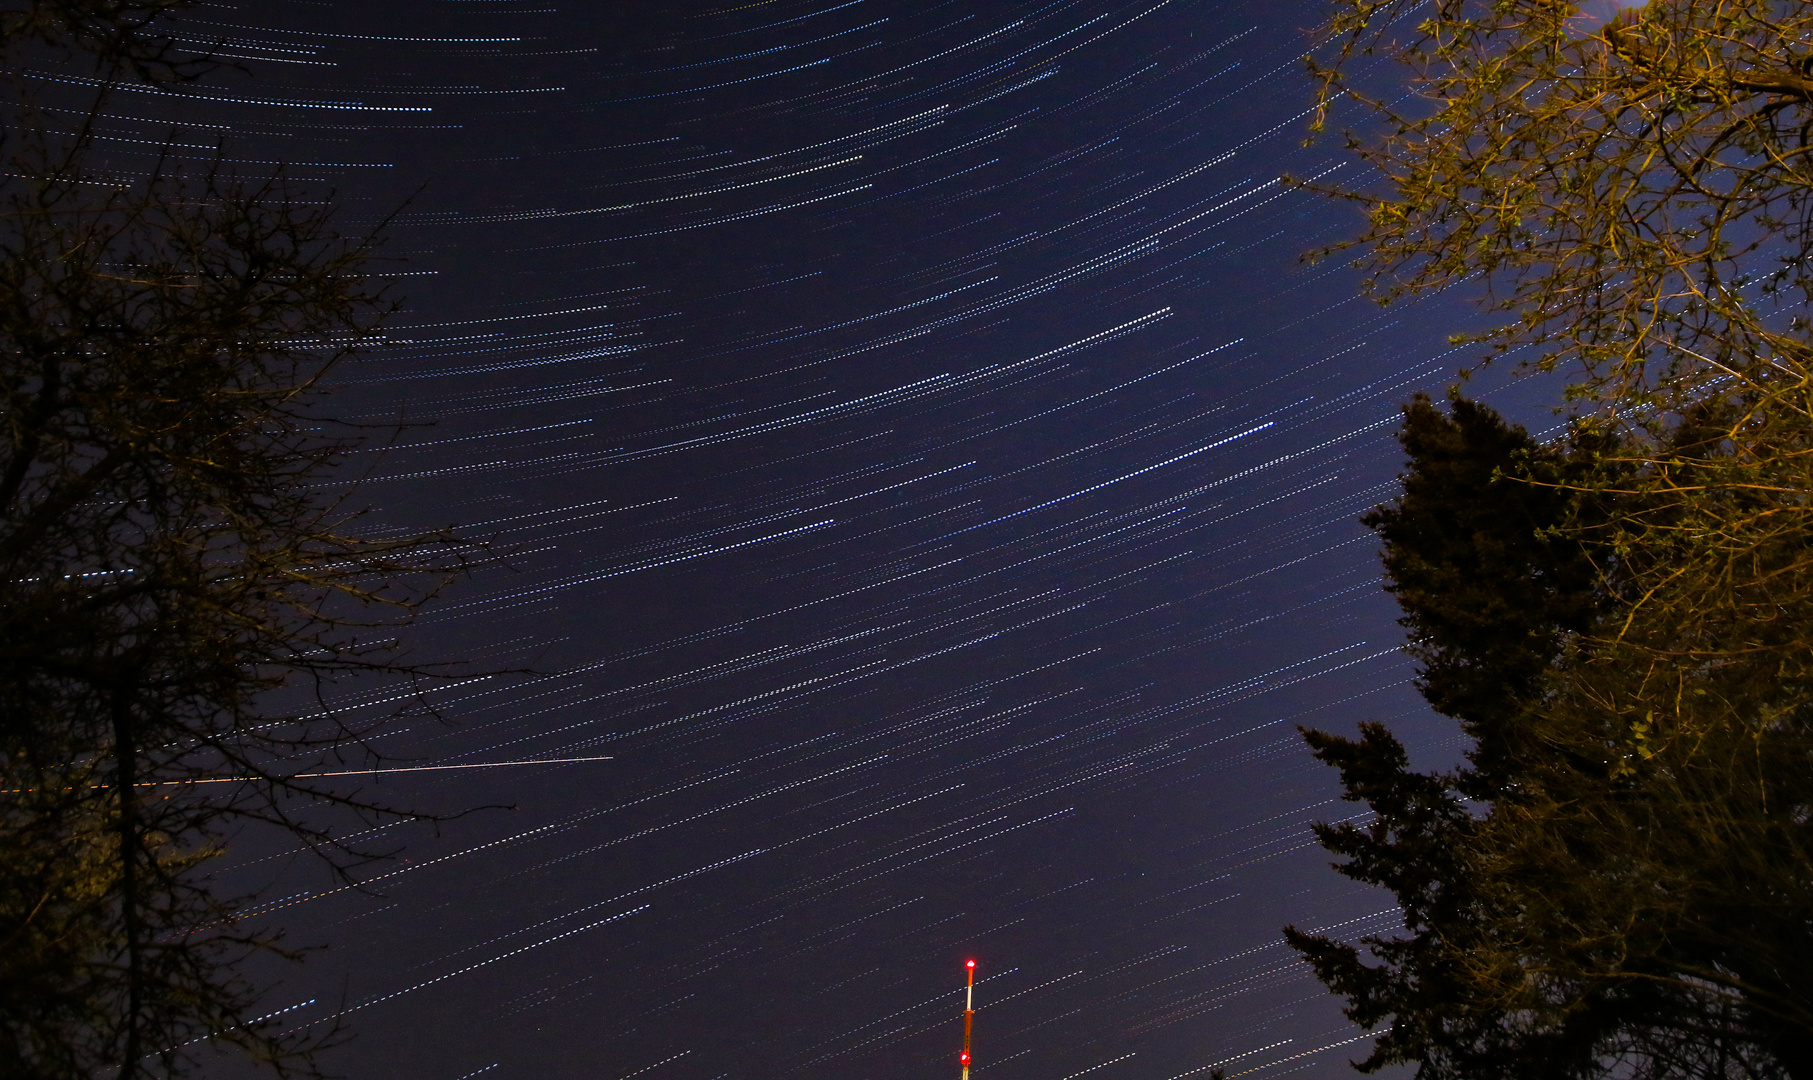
(969, 1014)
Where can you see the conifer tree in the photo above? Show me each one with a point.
(1624, 868)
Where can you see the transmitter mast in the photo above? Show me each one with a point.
(969, 1014)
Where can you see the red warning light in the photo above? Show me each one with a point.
(964, 1059)
(969, 963)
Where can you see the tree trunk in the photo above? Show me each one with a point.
(126, 755)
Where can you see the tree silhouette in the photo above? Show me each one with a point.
(185, 579)
(1620, 881)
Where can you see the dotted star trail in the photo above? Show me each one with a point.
(930, 485)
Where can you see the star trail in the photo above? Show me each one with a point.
(929, 479)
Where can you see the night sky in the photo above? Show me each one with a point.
(931, 478)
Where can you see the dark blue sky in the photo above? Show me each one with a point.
(933, 480)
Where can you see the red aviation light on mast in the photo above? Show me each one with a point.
(969, 1014)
